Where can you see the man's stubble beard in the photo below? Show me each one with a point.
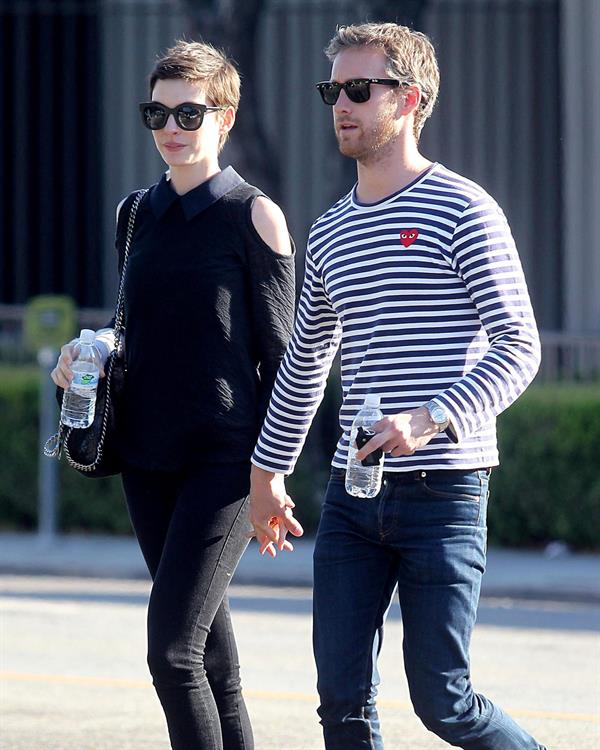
(373, 145)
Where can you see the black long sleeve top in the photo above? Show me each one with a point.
(208, 310)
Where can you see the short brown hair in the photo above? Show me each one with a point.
(201, 63)
(410, 57)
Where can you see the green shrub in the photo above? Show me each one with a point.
(547, 487)
(84, 504)
(18, 438)
(548, 484)
(97, 505)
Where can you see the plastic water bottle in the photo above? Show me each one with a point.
(363, 478)
(79, 400)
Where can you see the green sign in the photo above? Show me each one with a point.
(49, 321)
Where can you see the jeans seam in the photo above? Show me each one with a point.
(225, 543)
(365, 676)
(385, 492)
(239, 699)
(483, 496)
(500, 725)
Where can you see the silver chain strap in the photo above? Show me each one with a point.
(58, 442)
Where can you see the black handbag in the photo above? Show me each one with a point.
(93, 451)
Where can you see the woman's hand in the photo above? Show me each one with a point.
(62, 375)
(271, 513)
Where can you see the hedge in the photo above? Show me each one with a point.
(88, 505)
(84, 504)
(548, 486)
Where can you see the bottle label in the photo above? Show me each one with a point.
(85, 380)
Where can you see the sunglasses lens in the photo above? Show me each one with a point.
(358, 91)
(189, 117)
(154, 117)
(330, 92)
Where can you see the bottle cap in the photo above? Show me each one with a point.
(372, 400)
(87, 336)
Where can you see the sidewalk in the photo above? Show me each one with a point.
(510, 573)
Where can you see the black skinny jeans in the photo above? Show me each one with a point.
(192, 529)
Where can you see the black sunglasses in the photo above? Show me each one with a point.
(188, 116)
(358, 90)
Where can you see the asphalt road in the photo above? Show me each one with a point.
(74, 675)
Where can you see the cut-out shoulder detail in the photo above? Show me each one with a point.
(119, 207)
(269, 222)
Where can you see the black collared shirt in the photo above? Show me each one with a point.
(209, 311)
(162, 195)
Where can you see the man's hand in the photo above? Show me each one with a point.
(402, 434)
(271, 512)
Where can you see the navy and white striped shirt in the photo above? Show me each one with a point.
(425, 292)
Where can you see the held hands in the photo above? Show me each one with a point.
(271, 512)
(62, 374)
(402, 434)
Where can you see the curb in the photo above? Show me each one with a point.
(512, 574)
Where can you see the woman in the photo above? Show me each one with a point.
(209, 298)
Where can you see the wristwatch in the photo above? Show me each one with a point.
(438, 415)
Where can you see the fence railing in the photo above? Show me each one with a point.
(569, 356)
(565, 356)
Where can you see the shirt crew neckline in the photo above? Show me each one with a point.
(390, 198)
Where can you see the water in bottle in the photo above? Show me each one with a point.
(79, 400)
(363, 478)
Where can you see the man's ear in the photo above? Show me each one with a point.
(409, 100)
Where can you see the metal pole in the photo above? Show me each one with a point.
(48, 468)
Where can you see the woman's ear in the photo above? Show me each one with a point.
(227, 120)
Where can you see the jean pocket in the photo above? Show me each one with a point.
(455, 485)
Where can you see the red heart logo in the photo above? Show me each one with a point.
(408, 236)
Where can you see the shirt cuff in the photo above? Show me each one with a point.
(105, 342)
(283, 468)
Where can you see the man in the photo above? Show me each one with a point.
(416, 274)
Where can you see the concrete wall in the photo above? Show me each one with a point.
(133, 33)
(519, 112)
(580, 106)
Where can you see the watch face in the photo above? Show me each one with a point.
(438, 415)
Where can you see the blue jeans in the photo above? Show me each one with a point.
(425, 532)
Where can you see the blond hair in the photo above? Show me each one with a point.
(201, 63)
(410, 58)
